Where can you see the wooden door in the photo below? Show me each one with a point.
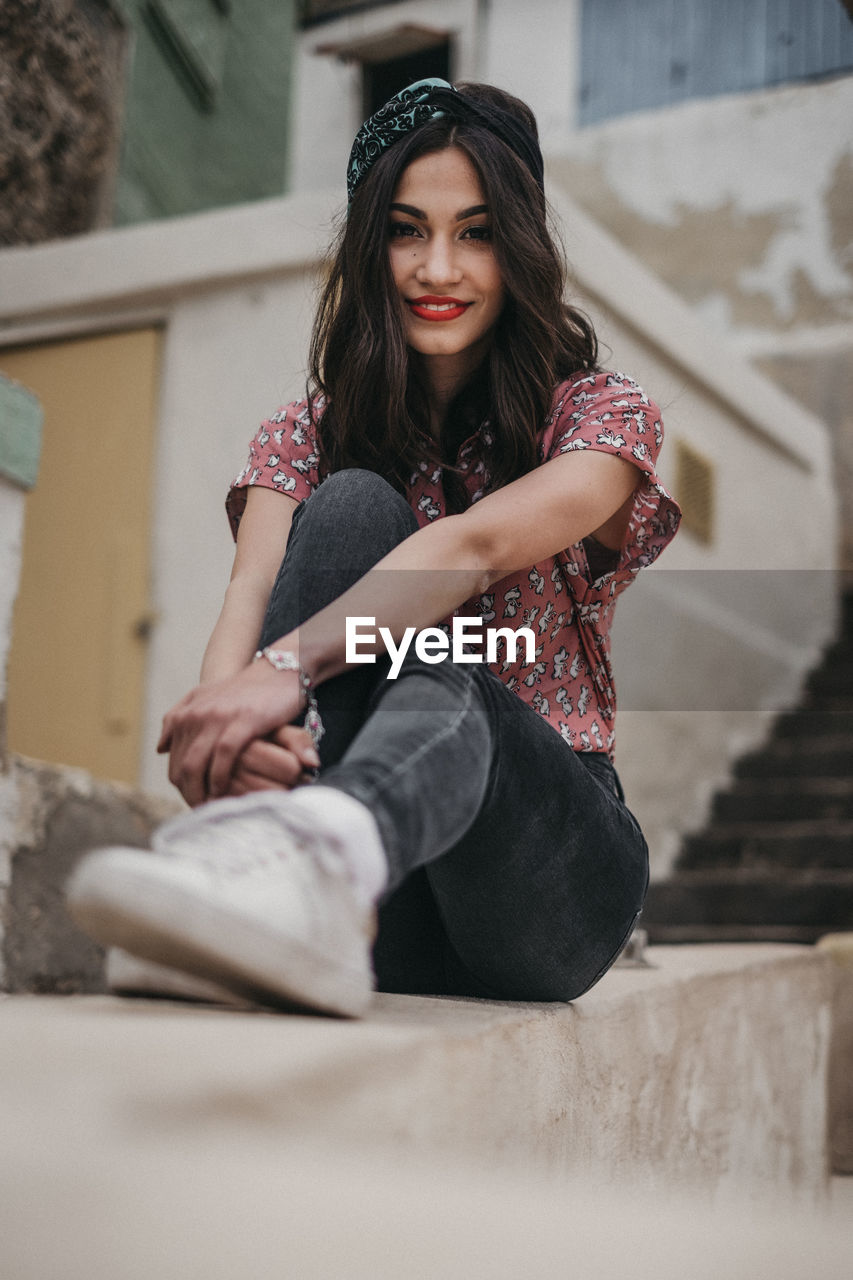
(78, 655)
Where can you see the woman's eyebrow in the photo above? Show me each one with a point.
(414, 212)
(410, 210)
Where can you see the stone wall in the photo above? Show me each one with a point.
(52, 816)
(61, 93)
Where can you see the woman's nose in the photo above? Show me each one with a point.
(439, 263)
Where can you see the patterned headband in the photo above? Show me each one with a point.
(429, 100)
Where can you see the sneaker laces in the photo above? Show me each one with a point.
(245, 834)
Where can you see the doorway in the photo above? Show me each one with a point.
(77, 665)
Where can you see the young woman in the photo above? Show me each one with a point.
(460, 455)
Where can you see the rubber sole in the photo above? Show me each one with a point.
(129, 975)
(119, 902)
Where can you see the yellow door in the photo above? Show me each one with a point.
(77, 663)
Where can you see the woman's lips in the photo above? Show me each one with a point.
(429, 308)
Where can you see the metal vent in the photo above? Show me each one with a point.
(694, 489)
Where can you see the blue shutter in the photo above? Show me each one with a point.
(640, 54)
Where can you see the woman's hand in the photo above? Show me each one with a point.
(279, 762)
(208, 730)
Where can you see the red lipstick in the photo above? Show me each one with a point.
(434, 308)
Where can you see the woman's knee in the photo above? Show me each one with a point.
(361, 500)
(350, 522)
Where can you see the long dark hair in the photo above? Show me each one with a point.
(376, 412)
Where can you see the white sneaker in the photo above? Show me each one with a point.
(242, 894)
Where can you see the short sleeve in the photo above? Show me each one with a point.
(284, 456)
(609, 412)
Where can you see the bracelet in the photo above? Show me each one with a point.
(284, 660)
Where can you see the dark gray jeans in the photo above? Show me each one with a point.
(516, 870)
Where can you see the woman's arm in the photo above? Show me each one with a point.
(261, 540)
(435, 570)
(416, 585)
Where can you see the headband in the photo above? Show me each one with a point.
(429, 100)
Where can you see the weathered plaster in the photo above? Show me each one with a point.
(741, 203)
(733, 241)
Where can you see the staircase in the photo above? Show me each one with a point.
(775, 862)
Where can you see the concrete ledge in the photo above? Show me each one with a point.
(706, 1070)
(670, 1124)
(839, 947)
(205, 1212)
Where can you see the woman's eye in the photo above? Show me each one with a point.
(478, 233)
(402, 229)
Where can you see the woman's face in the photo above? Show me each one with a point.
(443, 261)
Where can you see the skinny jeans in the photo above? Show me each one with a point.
(516, 871)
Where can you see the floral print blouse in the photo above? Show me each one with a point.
(566, 600)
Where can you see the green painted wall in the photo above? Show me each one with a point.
(208, 99)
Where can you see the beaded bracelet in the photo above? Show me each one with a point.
(284, 660)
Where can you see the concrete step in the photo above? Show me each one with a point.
(785, 800)
(680, 934)
(840, 653)
(826, 756)
(819, 843)
(832, 678)
(839, 947)
(801, 907)
(817, 716)
(315, 1145)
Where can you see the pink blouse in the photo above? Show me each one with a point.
(569, 609)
